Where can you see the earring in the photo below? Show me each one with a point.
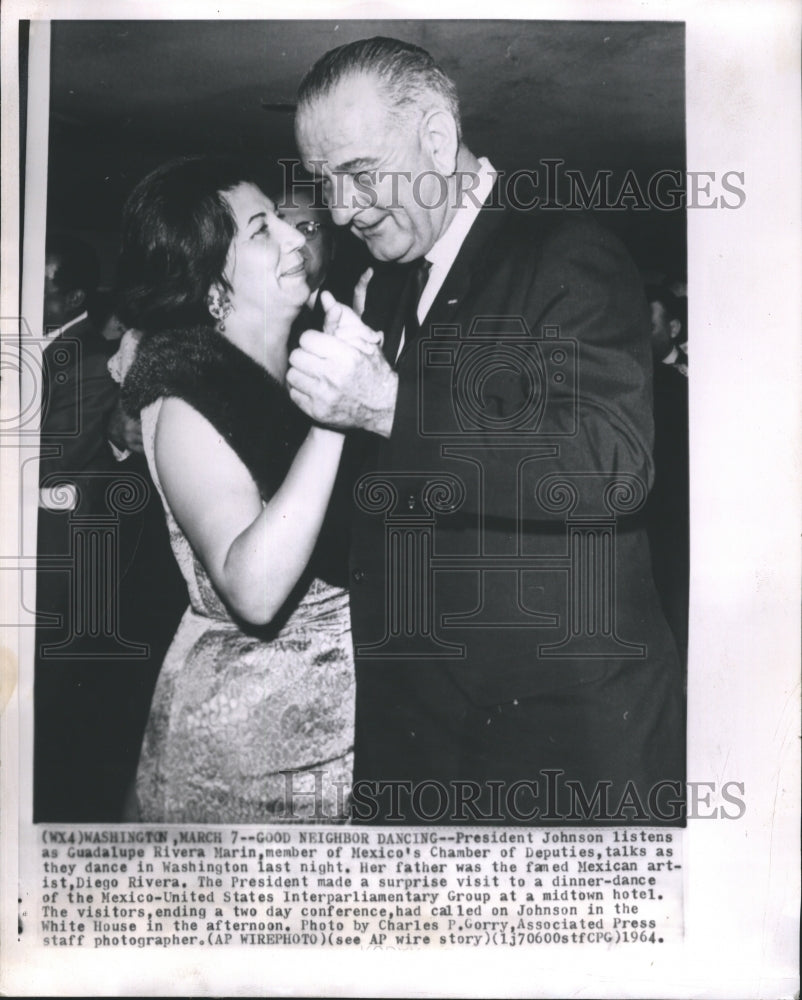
(219, 305)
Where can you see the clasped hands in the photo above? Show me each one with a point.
(339, 377)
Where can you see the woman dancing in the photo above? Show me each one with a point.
(252, 716)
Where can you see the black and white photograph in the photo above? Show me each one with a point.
(365, 494)
(485, 501)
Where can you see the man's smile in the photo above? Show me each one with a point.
(366, 231)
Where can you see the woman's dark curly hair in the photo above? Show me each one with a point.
(176, 232)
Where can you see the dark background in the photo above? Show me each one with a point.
(127, 95)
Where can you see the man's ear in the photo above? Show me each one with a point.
(438, 132)
(676, 328)
(75, 300)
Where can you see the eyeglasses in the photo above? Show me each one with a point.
(309, 230)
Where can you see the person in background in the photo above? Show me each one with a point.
(77, 394)
(669, 328)
(303, 208)
(679, 286)
(344, 274)
(668, 508)
(91, 696)
(75, 461)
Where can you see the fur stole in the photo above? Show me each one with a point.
(237, 396)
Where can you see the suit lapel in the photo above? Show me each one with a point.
(386, 297)
(316, 314)
(384, 305)
(87, 336)
(89, 342)
(474, 256)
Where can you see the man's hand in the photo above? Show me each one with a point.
(124, 432)
(344, 323)
(340, 377)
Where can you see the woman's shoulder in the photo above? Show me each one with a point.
(196, 364)
(175, 419)
(168, 425)
(184, 438)
(171, 363)
(198, 370)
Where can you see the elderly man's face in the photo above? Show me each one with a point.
(378, 178)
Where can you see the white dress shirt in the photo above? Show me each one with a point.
(57, 331)
(444, 252)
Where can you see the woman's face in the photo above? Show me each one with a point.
(264, 266)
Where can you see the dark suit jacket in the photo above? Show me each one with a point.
(516, 419)
(307, 319)
(669, 502)
(78, 395)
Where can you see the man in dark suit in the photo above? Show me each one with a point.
(78, 395)
(513, 664)
(668, 510)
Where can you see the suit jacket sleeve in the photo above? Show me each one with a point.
(598, 420)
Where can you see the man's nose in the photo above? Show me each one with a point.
(343, 204)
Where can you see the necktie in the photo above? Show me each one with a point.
(405, 326)
(418, 277)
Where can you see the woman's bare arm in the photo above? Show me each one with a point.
(254, 554)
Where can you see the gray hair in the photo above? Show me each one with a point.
(408, 76)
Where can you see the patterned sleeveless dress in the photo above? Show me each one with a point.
(248, 727)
